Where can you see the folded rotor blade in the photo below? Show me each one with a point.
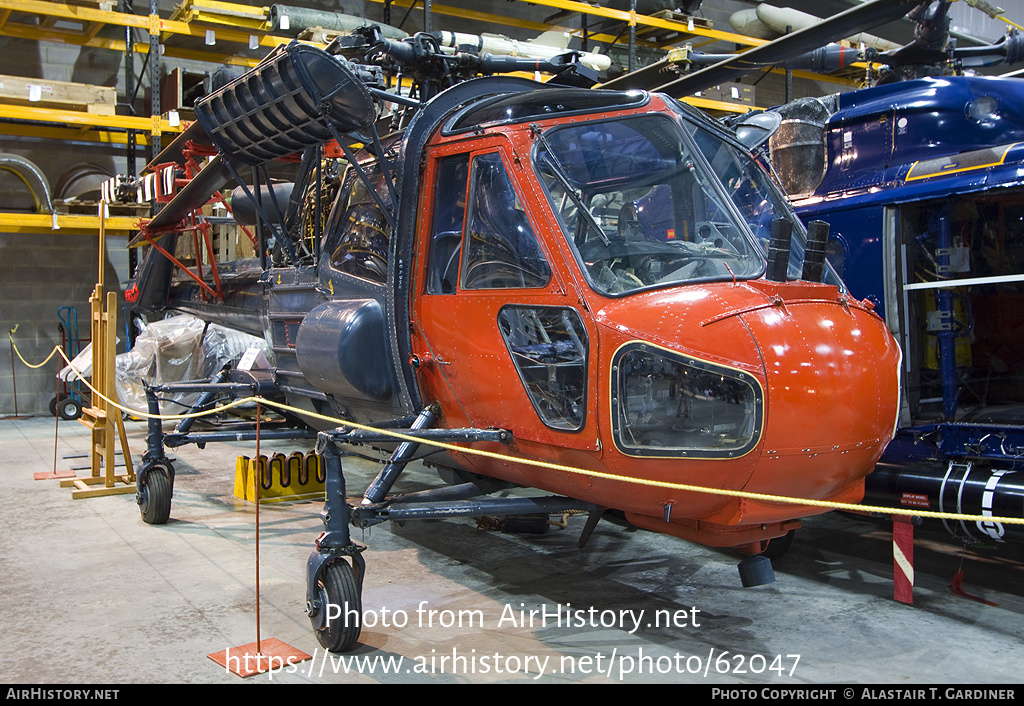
(856, 19)
(174, 152)
(210, 179)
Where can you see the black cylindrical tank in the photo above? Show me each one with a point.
(965, 488)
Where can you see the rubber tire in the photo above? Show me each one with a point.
(54, 401)
(337, 586)
(69, 408)
(155, 496)
(779, 546)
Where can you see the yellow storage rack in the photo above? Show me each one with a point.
(227, 33)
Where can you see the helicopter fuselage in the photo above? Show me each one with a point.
(519, 290)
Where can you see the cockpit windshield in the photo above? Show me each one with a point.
(639, 207)
(757, 198)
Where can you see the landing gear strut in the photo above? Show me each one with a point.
(335, 568)
(155, 481)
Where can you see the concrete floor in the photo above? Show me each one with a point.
(91, 594)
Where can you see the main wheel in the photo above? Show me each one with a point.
(155, 495)
(339, 596)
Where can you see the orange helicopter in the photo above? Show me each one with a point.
(603, 290)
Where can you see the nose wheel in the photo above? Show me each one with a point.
(154, 493)
(338, 621)
(335, 569)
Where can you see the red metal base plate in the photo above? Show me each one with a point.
(49, 475)
(247, 660)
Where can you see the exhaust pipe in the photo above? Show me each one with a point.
(778, 250)
(814, 251)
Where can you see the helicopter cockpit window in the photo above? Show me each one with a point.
(756, 196)
(668, 404)
(446, 229)
(639, 208)
(501, 249)
(365, 235)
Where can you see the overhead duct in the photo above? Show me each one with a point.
(768, 22)
(798, 146)
(81, 180)
(747, 23)
(33, 178)
(288, 18)
(290, 101)
(499, 44)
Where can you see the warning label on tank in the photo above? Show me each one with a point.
(914, 500)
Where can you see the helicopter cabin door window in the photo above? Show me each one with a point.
(446, 229)
(481, 237)
(549, 348)
(501, 250)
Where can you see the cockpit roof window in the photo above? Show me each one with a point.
(540, 104)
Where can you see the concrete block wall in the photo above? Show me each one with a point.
(43, 271)
(39, 273)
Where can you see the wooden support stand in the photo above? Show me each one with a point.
(103, 419)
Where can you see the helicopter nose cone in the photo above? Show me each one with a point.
(780, 389)
(832, 376)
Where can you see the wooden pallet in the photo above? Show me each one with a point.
(662, 36)
(34, 92)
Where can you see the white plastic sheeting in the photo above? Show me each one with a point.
(172, 350)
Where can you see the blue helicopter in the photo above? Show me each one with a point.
(920, 178)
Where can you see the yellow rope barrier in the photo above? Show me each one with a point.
(1012, 24)
(398, 436)
(10, 334)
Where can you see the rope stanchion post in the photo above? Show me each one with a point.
(14, 377)
(903, 558)
(262, 655)
(49, 475)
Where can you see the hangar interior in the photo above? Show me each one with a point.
(98, 89)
